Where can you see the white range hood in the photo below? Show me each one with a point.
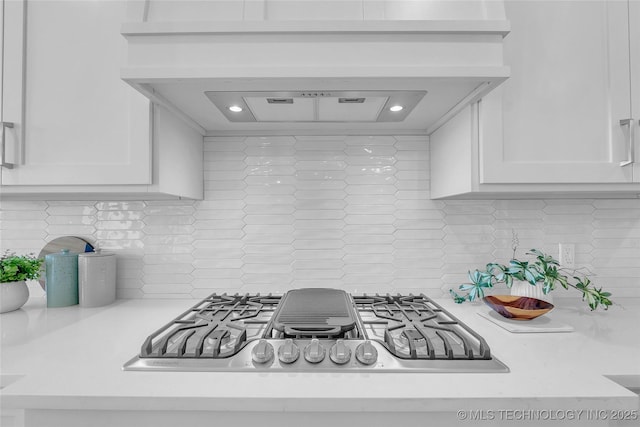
(315, 77)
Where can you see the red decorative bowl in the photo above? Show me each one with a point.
(518, 308)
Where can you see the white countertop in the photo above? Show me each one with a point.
(71, 358)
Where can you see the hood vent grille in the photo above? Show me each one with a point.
(280, 100)
(316, 106)
(351, 100)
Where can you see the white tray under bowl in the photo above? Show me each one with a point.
(543, 323)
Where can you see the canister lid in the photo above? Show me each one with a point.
(97, 253)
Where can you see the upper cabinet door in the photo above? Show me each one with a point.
(634, 64)
(558, 117)
(78, 122)
(12, 15)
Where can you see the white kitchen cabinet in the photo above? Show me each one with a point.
(176, 165)
(554, 127)
(634, 65)
(77, 127)
(11, 79)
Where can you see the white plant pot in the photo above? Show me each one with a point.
(526, 289)
(13, 295)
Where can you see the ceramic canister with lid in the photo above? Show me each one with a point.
(61, 272)
(97, 278)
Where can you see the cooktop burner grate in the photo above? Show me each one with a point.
(415, 327)
(218, 326)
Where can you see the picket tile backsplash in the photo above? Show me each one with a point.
(349, 212)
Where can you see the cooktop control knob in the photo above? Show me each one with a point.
(340, 353)
(262, 352)
(314, 351)
(288, 352)
(366, 353)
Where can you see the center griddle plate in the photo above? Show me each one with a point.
(315, 312)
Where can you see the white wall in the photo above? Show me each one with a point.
(348, 212)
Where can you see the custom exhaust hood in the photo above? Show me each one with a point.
(315, 77)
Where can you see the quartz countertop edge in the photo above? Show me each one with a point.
(72, 357)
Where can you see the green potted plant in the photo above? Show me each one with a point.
(542, 271)
(15, 270)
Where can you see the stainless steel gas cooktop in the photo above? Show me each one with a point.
(316, 329)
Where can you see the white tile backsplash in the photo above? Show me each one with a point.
(350, 212)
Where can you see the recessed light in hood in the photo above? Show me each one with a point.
(318, 106)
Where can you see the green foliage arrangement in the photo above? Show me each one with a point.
(15, 268)
(544, 270)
